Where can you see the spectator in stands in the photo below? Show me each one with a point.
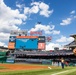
(62, 63)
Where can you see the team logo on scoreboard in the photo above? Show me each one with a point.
(41, 46)
(12, 39)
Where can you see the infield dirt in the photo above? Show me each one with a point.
(14, 67)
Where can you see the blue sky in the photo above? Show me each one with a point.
(57, 17)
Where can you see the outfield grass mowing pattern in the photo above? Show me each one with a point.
(2, 67)
(72, 73)
(42, 72)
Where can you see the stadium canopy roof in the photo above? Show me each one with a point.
(72, 44)
(74, 36)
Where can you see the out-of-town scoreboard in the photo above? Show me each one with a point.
(21, 40)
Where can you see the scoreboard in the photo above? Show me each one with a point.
(26, 42)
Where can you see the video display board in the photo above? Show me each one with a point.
(26, 43)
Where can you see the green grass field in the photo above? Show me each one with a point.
(54, 71)
(2, 67)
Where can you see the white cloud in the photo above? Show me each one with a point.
(20, 6)
(74, 16)
(48, 29)
(72, 12)
(66, 21)
(9, 18)
(42, 27)
(45, 9)
(38, 7)
(55, 32)
(58, 42)
(34, 9)
(46, 13)
(64, 39)
(2, 44)
(51, 46)
(35, 3)
(26, 10)
(4, 36)
(43, 6)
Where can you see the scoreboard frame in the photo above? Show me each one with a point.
(40, 42)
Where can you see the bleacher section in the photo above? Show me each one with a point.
(40, 56)
(44, 53)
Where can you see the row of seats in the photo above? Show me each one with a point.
(61, 52)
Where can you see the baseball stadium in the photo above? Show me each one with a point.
(26, 55)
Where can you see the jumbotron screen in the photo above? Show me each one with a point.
(27, 42)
